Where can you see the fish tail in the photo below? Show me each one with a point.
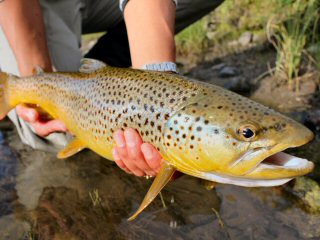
(5, 106)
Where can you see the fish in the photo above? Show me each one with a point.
(199, 129)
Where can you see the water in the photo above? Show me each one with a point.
(88, 197)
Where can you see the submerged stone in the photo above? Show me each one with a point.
(308, 191)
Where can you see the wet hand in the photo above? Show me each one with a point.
(42, 127)
(133, 156)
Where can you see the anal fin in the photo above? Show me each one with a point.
(163, 177)
(72, 148)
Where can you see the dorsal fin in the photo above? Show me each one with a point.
(37, 70)
(89, 65)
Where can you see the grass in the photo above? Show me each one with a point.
(223, 25)
(192, 40)
(97, 202)
(290, 33)
(290, 25)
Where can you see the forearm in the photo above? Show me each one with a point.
(23, 25)
(150, 26)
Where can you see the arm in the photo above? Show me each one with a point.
(23, 25)
(150, 26)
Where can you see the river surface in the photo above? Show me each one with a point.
(88, 197)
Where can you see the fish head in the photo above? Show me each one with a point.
(227, 138)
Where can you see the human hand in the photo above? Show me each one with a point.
(133, 156)
(41, 125)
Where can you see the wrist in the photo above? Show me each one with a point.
(28, 69)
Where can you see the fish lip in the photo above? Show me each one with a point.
(242, 181)
(284, 161)
(276, 160)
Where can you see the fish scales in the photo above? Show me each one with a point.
(200, 129)
(95, 105)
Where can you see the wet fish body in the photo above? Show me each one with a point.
(200, 129)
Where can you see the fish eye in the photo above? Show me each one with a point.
(247, 132)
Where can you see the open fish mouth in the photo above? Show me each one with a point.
(286, 161)
(274, 170)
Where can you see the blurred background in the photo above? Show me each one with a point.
(266, 50)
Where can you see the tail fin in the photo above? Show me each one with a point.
(4, 104)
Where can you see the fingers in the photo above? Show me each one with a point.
(45, 128)
(42, 128)
(134, 142)
(119, 162)
(152, 156)
(129, 156)
(29, 115)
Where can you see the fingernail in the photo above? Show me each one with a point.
(115, 154)
(148, 153)
(119, 141)
(130, 138)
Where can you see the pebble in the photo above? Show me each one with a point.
(227, 72)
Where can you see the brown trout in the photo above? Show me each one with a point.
(200, 129)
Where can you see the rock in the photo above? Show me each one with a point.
(245, 38)
(308, 191)
(218, 66)
(234, 83)
(233, 43)
(229, 72)
(313, 120)
(259, 38)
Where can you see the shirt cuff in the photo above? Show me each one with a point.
(123, 3)
(161, 67)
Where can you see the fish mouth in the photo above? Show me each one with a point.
(274, 170)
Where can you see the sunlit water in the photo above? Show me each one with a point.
(88, 197)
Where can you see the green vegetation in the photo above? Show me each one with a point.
(192, 39)
(292, 26)
(291, 31)
(227, 23)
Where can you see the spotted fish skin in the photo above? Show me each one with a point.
(200, 129)
(94, 105)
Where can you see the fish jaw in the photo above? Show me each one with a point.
(281, 165)
(276, 170)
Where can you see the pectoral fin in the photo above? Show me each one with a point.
(163, 177)
(72, 148)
